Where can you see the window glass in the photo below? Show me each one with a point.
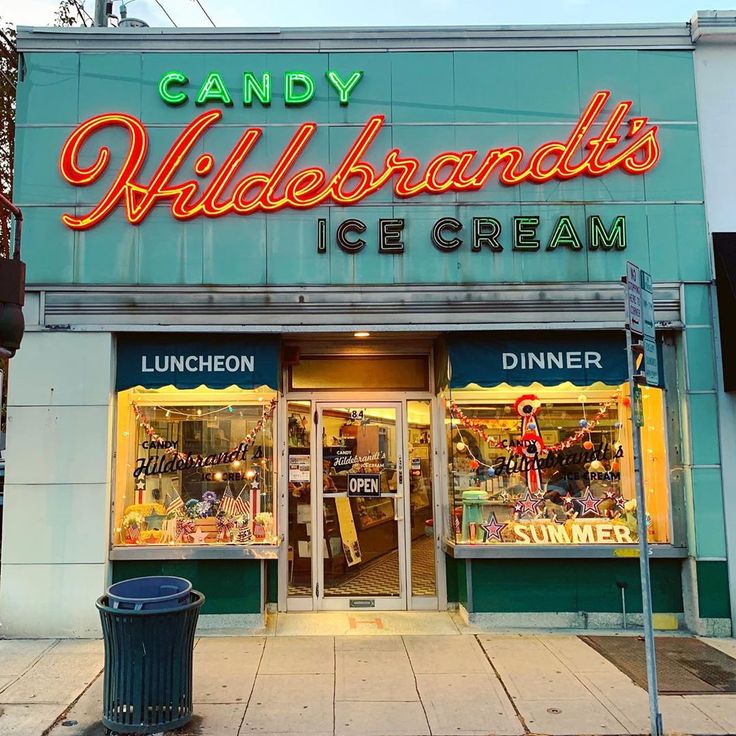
(194, 467)
(553, 465)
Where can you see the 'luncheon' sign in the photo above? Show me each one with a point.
(188, 361)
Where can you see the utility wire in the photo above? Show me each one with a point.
(166, 13)
(201, 7)
(82, 13)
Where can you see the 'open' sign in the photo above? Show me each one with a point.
(364, 484)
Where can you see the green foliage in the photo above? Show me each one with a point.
(71, 13)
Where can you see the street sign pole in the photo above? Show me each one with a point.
(655, 717)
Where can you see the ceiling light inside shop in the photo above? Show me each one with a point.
(361, 334)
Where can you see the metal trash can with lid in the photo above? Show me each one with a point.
(148, 655)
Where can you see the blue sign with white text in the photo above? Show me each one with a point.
(185, 361)
(488, 359)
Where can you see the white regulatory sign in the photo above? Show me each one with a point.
(647, 306)
(651, 362)
(633, 298)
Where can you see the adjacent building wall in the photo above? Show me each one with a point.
(715, 67)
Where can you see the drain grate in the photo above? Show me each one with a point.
(685, 666)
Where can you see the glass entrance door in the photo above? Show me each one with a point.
(359, 549)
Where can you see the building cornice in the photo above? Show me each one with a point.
(420, 38)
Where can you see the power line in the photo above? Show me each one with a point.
(82, 12)
(166, 13)
(201, 7)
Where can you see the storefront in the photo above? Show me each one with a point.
(333, 320)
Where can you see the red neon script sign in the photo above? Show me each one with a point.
(586, 152)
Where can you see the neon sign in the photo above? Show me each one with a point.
(585, 152)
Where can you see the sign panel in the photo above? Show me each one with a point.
(186, 361)
(364, 485)
(633, 298)
(638, 408)
(651, 362)
(647, 305)
(551, 358)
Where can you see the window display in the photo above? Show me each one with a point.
(195, 466)
(553, 465)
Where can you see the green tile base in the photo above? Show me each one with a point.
(230, 586)
(713, 589)
(516, 585)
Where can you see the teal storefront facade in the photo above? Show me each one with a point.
(300, 188)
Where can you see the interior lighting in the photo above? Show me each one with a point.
(361, 334)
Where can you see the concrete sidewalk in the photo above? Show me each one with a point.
(367, 676)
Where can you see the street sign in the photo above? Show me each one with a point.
(647, 305)
(651, 362)
(638, 413)
(633, 298)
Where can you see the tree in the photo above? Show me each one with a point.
(8, 81)
(71, 13)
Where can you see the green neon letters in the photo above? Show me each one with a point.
(293, 80)
(525, 233)
(564, 234)
(213, 89)
(172, 98)
(298, 88)
(261, 90)
(599, 237)
(344, 88)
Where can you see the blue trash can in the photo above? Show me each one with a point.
(152, 593)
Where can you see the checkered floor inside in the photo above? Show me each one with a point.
(380, 576)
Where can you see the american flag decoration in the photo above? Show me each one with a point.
(175, 505)
(242, 508)
(227, 502)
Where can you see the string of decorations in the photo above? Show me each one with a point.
(199, 414)
(585, 428)
(248, 440)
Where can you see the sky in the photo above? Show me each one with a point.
(283, 13)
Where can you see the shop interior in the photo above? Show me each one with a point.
(553, 465)
(195, 466)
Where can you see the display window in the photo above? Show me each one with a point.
(553, 465)
(195, 466)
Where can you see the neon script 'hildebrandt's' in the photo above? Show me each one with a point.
(633, 150)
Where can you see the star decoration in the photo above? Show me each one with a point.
(568, 500)
(255, 485)
(493, 529)
(529, 505)
(140, 485)
(199, 536)
(590, 504)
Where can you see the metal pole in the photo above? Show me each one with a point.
(101, 13)
(655, 717)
